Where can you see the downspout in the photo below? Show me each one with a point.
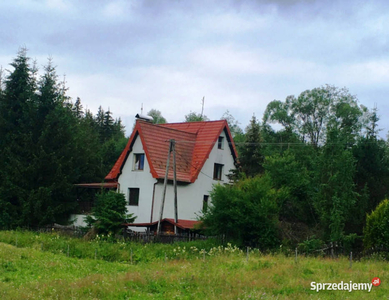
(152, 202)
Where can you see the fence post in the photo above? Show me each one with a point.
(295, 258)
(165, 257)
(351, 259)
(131, 255)
(332, 250)
(247, 253)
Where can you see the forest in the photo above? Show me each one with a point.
(48, 143)
(321, 177)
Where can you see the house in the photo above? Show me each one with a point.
(205, 153)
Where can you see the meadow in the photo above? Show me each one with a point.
(52, 266)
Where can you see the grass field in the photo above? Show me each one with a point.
(40, 268)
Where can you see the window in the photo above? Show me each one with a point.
(133, 196)
(217, 171)
(205, 203)
(139, 161)
(220, 142)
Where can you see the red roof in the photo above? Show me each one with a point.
(194, 142)
(183, 224)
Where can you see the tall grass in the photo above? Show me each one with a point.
(102, 247)
(27, 273)
(196, 270)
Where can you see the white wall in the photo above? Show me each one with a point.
(141, 179)
(78, 220)
(190, 197)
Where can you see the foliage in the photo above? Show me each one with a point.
(313, 111)
(47, 144)
(372, 170)
(251, 157)
(193, 117)
(311, 245)
(232, 124)
(109, 213)
(246, 212)
(157, 116)
(376, 232)
(289, 173)
(334, 192)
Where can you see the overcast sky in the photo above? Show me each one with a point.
(239, 54)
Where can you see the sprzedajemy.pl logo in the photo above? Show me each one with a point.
(345, 286)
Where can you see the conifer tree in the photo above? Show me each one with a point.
(108, 128)
(251, 158)
(16, 108)
(77, 109)
(50, 197)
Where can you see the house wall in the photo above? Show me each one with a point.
(190, 196)
(141, 179)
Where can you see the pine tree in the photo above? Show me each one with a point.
(108, 127)
(16, 108)
(100, 117)
(77, 109)
(251, 158)
(52, 166)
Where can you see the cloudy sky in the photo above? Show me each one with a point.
(168, 54)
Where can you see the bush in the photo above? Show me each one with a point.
(246, 213)
(376, 232)
(109, 213)
(311, 245)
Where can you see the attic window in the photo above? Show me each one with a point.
(220, 142)
(217, 171)
(139, 161)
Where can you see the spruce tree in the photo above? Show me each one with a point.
(251, 158)
(77, 109)
(16, 108)
(108, 125)
(53, 167)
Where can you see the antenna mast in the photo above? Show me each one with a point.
(202, 106)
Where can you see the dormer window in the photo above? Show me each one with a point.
(220, 142)
(139, 161)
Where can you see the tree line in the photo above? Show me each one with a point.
(315, 178)
(48, 144)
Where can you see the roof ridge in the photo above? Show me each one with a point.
(192, 122)
(184, 131)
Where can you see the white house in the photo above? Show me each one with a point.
(205, 153)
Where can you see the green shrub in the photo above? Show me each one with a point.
(246, 212)
(376, 232)
(311, 245)
(109, 213)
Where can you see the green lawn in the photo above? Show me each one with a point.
(33, 273)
